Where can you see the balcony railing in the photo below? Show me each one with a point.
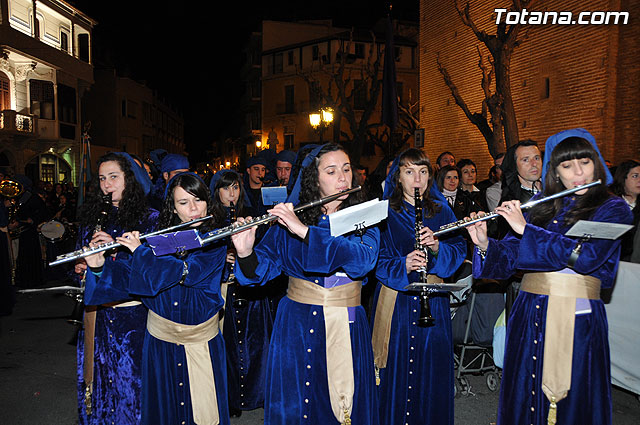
(13, 122)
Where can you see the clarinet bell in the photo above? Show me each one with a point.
(426, 319)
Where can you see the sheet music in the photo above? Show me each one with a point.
(358, 217)
(273, 195)
(598, 229)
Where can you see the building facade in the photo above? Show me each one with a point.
(562, 76)
(45, 68)
(128, 116)
(293, 56)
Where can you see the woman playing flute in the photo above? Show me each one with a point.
(556, 365)
(183, 364)
(109, 349)
(415, 363)
(320, 365)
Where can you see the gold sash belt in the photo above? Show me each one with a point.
(195, 339)
(334, 302)
(382, 321)
(562, 289)
(131, 303)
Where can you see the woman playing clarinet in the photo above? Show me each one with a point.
(415, 363)
(183, 363)
(556, 365)
(320, 366)
(110, 347)
(248, 320)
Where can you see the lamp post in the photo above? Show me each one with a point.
(321, 119)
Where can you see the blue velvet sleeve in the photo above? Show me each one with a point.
(110, 286)
(269, 257)
(397, 241)
(547, 250)
(325, 254)
(391, 269)
(500, 261)
(540, 249)
(150, 274)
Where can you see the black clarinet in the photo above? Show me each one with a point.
(233, 216)
(238, 301)
(425, 319)
(77, 315)
(105, 208)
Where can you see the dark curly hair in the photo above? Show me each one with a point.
(196, 187)
(413, 156)
(571, 148)
(226, 180)
(310, 190)
(132, 209)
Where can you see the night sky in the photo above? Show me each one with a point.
(191, 51)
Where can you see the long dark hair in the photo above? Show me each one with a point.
(619, 178)
(413, 156)
(585, 205)
(132, 208)
(196, 187)
(310, 189)
(226, 180)
(442, 173)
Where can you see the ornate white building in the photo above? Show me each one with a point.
(45, 67)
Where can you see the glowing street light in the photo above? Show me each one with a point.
(321, 119)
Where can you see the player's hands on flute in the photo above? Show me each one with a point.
(244, 240)
(478, 232)
(130, 240)
(289, 219)
(512, 212)
(427, 239)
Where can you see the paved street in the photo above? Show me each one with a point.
(37, 378)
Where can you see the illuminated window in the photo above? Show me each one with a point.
(5, 99)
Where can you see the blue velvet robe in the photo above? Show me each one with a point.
(296, 385)
(166, 398)
(416, 386)
(539, 249)
(119, 335)
(247, 332)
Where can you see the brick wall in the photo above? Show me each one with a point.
(593, 74)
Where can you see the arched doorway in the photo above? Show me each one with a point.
(49, 168)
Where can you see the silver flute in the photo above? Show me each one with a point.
(488, 216)
(223, 232)
(85, 252)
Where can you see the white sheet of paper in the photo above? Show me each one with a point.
(598, 229)
(358, 216)
(273, 195)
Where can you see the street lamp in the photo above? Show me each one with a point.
(321, 119)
